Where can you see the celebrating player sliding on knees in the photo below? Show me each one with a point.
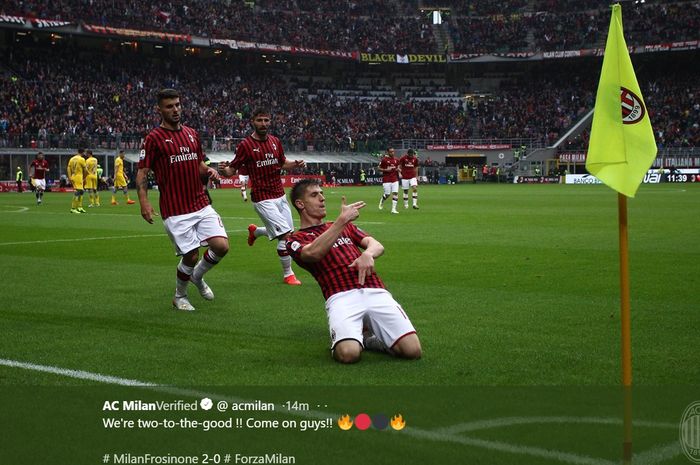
(362, 314)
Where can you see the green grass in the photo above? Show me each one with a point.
(506, 285)
(513, 290)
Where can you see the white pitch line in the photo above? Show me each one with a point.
(513, 421)
(19, 209)
(512, 448)
(648, 458)
(80, 239)
(657, 455)
(98, 212)
(78, 374)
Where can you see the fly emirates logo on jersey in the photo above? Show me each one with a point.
(270, 159)
(185, 155)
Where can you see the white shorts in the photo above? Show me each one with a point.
(276, 215)
(390, 187)
(192, 230)
(406, 183)
(243, 178)
(39, 184)
(349, 311)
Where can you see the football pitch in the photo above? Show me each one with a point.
(513, 289)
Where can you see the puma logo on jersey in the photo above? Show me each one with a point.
(169, 140)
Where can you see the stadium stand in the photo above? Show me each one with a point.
(63, 91)
(372, 26)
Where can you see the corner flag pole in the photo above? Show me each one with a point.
(626, 333)
(620, 151)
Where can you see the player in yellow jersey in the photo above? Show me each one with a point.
(91, 179)
(76, 174)
(120, 180)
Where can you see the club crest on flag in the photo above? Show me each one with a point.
(633, 110)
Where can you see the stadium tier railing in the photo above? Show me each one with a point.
(117, 141)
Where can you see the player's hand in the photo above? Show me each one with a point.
(364, 264)
(213, 174)
(224, 168)
(350, 212)
(299, 163)
(147, 212)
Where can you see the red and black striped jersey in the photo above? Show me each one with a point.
(174, 157)
(390, 176)
(333, 273)
(263, 160)
(409, 166)
(40, 168)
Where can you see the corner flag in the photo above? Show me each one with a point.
(622, 146)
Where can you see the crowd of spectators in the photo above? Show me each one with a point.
(67, 95)
(561, 29)
(58, 98)
(481, 26)
(366, 26)
(478, 7)
(536, 106)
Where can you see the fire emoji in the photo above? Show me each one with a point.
(344, 422)
(397, 422)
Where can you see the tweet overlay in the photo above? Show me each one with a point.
(94, 425)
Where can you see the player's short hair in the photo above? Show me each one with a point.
(260, 111)
(411, 152)
(89, 151)
(81, 150)
(164, 94)
(299, 189)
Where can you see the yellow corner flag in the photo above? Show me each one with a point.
(622, 146)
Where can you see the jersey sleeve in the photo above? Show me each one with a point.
(296, 242)
(355, 233)
(200, 151)
(148, 154)
(283, 157)
(239, 157)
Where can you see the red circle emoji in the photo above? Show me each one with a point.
(363, 421)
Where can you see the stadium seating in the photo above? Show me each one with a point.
(482, 26)
(57, 100)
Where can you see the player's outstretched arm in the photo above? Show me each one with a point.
(147, 211)
(318, 249)
(211, 172)
(289, 164)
